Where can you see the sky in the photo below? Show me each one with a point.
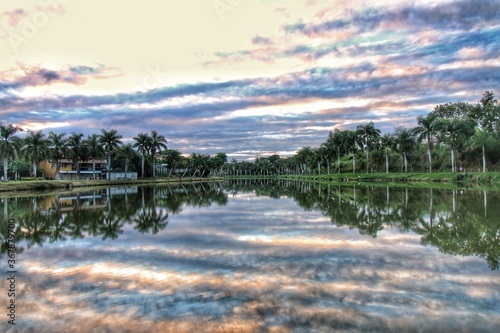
(247, 77)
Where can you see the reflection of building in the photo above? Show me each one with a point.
(82, 200)
(68, 170)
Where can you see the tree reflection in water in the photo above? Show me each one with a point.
(463, 222)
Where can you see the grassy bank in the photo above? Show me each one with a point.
(44, 185)
(490, 179)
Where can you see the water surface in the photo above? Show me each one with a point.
(259, 257)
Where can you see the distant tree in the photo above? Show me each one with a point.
(143, 145)
(77, 150)
(387, 142)
(58, 149)
(426, 130)
(35, 148)
(110, 140)
(481, 139)
(158, 143)
(9, 146)
(454, 133)
(95, 150)
(405, 142)
(368, 135)
(126, 152)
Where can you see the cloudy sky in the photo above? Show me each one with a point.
(248, 77)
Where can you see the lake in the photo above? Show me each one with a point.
(254, 256)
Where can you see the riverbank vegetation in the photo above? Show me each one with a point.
(453, 138)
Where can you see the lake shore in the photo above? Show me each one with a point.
(46, 185)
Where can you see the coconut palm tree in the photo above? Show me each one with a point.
(143, 145)
(110, 140)
(369, 135)
(58, 148)
(128, 153)
(35, 148)
(77, 150)
(387, 142)
(95, 150)
(9, 146)
(405, 142)
(350, 143)
(481, 138)
(455, 133)
(425, 130)
(158, 142)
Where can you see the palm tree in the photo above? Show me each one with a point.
(9, 147)
(455, 133)
(111, 141)
(350, 143)
(158, 142)
(405, 142)
(35, 148)
(58, 148)
(387, 142)
(77, 150)
(143, 145)
(368, 134)
(94, 149)
(481, 138)
(425, 130)
(126, 152)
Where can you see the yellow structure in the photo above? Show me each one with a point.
(69, 171)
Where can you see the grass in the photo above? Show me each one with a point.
(11, 188)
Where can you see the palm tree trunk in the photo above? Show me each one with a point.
(5, 168)
(406, 162)
(484, 161)
(452, 159)
(354, 163)
(386, 162)
(338, 162)
(109, 166)
(367, 159)
(34, 170)
(142, 166)
(429, 153)
(93, 168)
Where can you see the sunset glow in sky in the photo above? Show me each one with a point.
(248, 77)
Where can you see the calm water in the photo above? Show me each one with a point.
(256, 257)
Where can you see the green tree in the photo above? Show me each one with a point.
(425, 130)
(387, 142)
(454, 133)
(9, 146)
(35, 148)
(350, 143)
(158, 142)
(58, 149)
(126, 152)
(110, 140)
(405, 142)
(481, 139)
(95, 150)
(368, 135)
(143, 145)
(77, 150)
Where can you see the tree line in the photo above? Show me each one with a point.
(451, 137)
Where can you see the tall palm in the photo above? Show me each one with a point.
(94, 149)
(481, 138)
(58, 149)
(36, 148)
(405, 142)
(336, 144)
(9, 147)
(128, 153)
(425, 130)
(158, 142)
(454, 133)
(77, 150)
(387, 142)
(143, 145)
(369, 135)
(350, 143)
(110, 140)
